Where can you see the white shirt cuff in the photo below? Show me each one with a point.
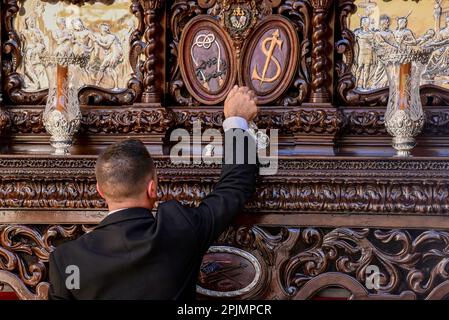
(235, 123)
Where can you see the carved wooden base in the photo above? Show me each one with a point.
(290, 262)
(318, 223)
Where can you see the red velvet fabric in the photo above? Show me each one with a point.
(8, 296)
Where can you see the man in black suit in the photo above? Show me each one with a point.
(132, 254)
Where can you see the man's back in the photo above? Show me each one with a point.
(132, 255)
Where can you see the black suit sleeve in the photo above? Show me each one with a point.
(233, 190)
(58, 290)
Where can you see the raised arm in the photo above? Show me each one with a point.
(238, 178)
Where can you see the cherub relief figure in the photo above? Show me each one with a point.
(34, 47)
(439, 61)
(124, 36)
(437, 10)
(112, 53)
(365, 38)
(83, 46)
(63, 38)
(402, 34)
(383, 37)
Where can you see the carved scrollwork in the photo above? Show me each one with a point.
(437, 123)
(24, 252)
(318, 121)
(181, 12)
(131, 121)
(62, 194)
(371, 122)
(94, 121)
(403, 258)
(295, 262)
(364, 123)
(300, 13)
(186, 119)
(412, 264)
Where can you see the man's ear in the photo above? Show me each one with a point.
(152, 189)
(99, 191)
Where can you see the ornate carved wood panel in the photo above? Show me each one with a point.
(269, 263)
(338, 206)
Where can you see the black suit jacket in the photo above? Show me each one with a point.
(134, 255)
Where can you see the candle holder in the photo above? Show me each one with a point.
(62, 115)
(404, 117)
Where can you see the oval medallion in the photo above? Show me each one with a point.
(270, 58)
(228, 272)
(206, 60)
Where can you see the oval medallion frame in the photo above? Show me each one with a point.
(249, 288)
(201, 91)
(247, 63)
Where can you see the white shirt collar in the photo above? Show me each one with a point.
(117, 210)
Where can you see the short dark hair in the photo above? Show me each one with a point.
(124, 169)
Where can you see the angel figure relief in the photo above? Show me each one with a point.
(34, 46)
(99, 45)
(112, 53)
(381, 26)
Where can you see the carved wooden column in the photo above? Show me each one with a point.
(4, 118)
(151, 92)
(320, 92)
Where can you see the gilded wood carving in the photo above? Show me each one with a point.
(361, 77)
(108, 75)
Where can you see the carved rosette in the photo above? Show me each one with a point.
(4, 121)
(232, 12)
(300, 13)
(151, 93)
(320, 81)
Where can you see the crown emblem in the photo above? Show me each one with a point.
(238, 12)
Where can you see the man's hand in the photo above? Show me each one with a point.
(241, 102)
